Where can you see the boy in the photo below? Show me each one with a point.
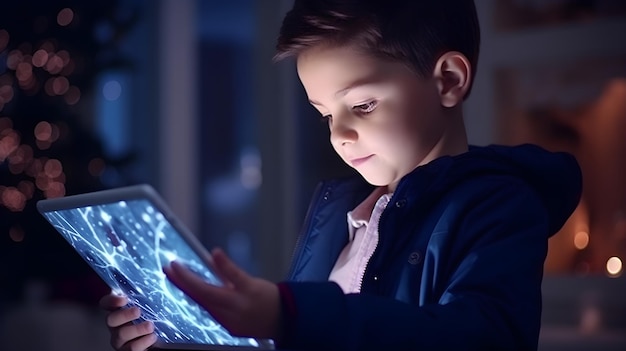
(444, 244)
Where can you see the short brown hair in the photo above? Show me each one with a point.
(414, 32)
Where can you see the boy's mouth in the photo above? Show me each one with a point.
(355, 162)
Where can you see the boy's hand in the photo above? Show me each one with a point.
(245, 306)
(126, 336)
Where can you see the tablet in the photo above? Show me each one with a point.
(127, 235)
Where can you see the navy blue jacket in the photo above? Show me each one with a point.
(459, 262)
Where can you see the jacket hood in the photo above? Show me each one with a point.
(555, 176)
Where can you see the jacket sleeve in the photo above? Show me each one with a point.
(490, 300)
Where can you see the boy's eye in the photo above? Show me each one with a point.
(366, 107)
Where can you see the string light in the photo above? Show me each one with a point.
(65, 17)
(60, 85)
(72, 96)
(27, 188)
(43, 131)
(96, 167)
(614, 266)
(14, 58)
(581, 240)
(40, 58)
(13, 199)
(53, 168)
(40, 65)
(6, 94)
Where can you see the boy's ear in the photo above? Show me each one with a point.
(453, 74)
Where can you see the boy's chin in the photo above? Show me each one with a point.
(376, 180)
(388, 180)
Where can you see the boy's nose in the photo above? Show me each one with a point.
(342, 132)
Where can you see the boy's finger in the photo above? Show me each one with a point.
(112, 302)
(122, 316)
(229, 269)
(132, 332)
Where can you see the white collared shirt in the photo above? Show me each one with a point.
(363, 238)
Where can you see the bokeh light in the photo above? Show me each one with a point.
(581, 240)
(64, 55)
(112, 90)
(13, 199)
(27, 188)
(16, 234)
(72, 96)
(54, 64)
(65, 17)
(60, 85)
(53, 168)
(13, 59)
(55, 189)
(40, 57)
(43, 131)
(614, 266)
(96, 167)
(9, 141)
(6, 94)
(24, 71)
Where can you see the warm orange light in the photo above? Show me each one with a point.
(614, 266)
(581, 240)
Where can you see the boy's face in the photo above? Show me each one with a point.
(384, 120)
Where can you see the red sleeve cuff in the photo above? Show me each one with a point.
(289, 314)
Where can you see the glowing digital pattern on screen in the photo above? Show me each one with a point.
(127, 243)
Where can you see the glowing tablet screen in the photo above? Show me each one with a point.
(127, 243)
